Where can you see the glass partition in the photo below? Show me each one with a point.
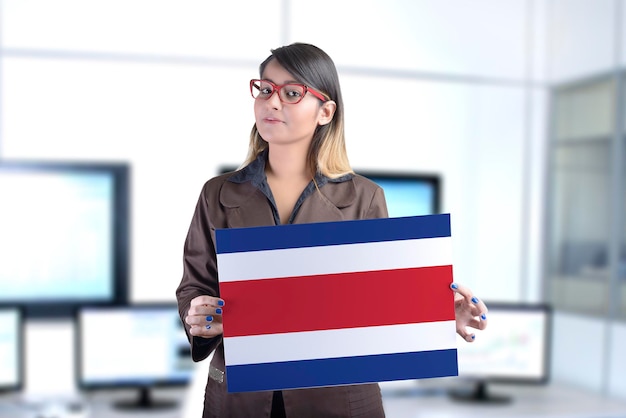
(580, 200)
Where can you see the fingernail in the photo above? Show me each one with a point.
(474, 299)
(209, 318)
(218, 311)
(483, 316)
(473, 337)
(454, 286)
(208, 327)
(220, 303)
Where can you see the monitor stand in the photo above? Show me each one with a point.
(479, 393)
(145, 401)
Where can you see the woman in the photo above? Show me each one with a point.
(297, 171)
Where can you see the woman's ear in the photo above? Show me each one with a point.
(326, 112)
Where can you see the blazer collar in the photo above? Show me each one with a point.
(246, 196)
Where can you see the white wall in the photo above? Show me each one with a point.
(427, 88)
(442, 86)
(581, 38)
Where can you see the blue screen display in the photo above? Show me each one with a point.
(408, 197)
(408, 194)
(63, 235)
(55, 236)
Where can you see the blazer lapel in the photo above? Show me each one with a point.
(245, 205)
(324, 205)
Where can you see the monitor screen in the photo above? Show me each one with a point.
(63, 235)
(11, 349)
(136, 346)
(408, 194)
(514, 348)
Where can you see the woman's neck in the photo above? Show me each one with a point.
(287, 175)
(288, 163)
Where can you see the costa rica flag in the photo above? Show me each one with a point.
(337, 303)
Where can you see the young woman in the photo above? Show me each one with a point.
(297, 171)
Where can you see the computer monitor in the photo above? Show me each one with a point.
(406, 193)
(140, 346)
(514, 348)
(11, 349)
(64, 235)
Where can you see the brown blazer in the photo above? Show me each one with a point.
(225, 204)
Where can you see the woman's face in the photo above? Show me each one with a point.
(283, 123)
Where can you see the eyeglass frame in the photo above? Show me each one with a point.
(276, 89)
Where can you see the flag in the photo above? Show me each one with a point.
(337, 303)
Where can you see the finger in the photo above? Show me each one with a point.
(476, 324)
(202, 319)
(479, 315)
(208, 326)
(463, 291)
(467, 336)
(466, 293)
(206, 300)
(204, 316)
(480, 305)
(205, 305)
(207, 331)
(201, 310)
(481, 322)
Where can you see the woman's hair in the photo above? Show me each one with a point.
(311, 66)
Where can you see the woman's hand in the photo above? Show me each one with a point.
(205, 316)
(469, 311)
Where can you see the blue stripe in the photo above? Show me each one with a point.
(341, 371)
(235, 240)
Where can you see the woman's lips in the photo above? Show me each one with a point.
(272, 120)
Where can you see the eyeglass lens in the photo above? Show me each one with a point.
(288, 93)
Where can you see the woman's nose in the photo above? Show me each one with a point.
(274, 100)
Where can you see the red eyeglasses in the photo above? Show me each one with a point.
(291, 93)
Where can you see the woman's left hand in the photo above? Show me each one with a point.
(469, 311)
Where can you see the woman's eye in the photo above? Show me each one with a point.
(265, 90)
(294, 93)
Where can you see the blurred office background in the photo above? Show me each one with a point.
(518, 105)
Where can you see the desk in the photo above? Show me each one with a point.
(528, 401)
(99, 404)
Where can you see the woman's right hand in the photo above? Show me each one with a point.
(205, 316)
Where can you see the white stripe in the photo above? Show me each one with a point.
(346, 342)
(330, 259)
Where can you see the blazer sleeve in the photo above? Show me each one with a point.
(378, 205)
(199, 272)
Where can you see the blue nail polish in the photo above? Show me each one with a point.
(474, 299)
(483, 316)
(209, 318)
(218, 311)
(220, 303)
(454, 286)
(208, 327)
(473, 337)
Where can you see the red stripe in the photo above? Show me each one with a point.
(335, 301)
